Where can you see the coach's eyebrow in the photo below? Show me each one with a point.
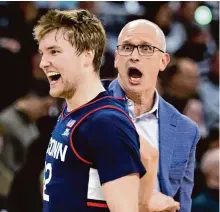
(141, 43)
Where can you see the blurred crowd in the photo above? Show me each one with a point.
(28, 114)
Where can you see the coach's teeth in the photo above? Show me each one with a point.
(52, 74)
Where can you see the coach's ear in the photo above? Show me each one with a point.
(116, 60)
(164, 61)
(89, 57)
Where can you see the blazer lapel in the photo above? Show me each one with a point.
(167, 127)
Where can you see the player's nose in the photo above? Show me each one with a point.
(44, 63)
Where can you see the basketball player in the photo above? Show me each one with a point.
(93, 160)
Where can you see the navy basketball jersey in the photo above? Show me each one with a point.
(92, 145)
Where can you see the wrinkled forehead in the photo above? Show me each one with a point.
(141, 32)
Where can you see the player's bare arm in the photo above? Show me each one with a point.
(149, 158)
(151, 200)
(122, 194)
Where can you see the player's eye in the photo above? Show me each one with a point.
(54, 52)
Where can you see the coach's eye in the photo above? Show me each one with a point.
(127, 47)
(146, 48)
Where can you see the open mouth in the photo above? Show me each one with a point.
(53, 76)
(134, 73)
(134, 76)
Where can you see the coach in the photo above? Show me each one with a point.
(139, 57)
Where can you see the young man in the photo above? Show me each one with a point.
(93, 160)
(140, 55)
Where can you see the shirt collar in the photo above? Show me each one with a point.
(156, 104)
(155, 107)
(118, 92)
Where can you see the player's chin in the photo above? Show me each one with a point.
(55, 93)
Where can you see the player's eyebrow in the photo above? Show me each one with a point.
(49, 48)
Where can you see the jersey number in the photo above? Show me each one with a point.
(48, 168)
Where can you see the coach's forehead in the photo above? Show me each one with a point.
(143, 30)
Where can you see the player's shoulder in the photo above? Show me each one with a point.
(113, 124)
(109, 107)
(110, 113)
(112, 101)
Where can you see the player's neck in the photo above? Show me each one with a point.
(87, 90)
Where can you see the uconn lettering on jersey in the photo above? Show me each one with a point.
(57, 150)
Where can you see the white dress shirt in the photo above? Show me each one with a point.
(147, 125)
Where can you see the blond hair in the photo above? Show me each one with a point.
(83, 29)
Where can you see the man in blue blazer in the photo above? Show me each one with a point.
(140, 55)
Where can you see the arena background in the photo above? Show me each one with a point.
(192, 35)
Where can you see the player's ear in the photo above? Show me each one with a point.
(116, 59)
(89, 57)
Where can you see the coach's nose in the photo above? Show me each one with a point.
(135, 57)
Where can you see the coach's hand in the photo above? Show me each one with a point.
(162, 203)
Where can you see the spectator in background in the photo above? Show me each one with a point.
(3, 178)
(186, 12)
(210, 142)
(213, 138)
(199, 46)
(25, 194)
(162, 14)
(12, 73)
(194, 110)
(10, 79)
(208, 201)
(15, 38)
(197, 40)
(180, 82)
(205, 144)
(209, 93)
(19, 123)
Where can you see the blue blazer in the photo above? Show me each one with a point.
(178, 136)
